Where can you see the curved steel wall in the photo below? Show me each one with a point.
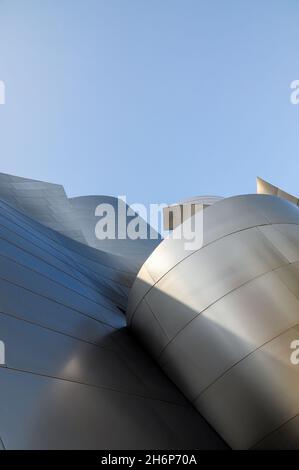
(74, 377)
(84, 208)
(220, 320)
(75, 218)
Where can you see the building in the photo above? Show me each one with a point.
(129, 344)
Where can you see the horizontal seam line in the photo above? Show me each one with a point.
(188, 256)
(98, 387)
(31, 253)
(110, 349)
(34, 222)
(57, 302)
(221, 298)
(57, 282)
(66, 258)
(243, 359)
(274, 431)
(39, 325)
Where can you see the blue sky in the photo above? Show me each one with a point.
(156, 99)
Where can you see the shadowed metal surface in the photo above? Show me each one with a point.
(138, 249)
(220, 320)
(48, 204)
(75, 378)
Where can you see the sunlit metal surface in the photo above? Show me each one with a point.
(263, 187)
(220, 320)
(75, 378)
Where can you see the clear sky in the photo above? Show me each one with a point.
(156, 99)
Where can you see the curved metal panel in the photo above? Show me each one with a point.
(229, 311)
(229, 330)
(209, 274)
(75, 377)
(256, 396)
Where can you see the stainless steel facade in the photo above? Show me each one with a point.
(220, 320)
(75, 377)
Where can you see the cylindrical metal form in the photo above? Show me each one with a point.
(223, 320)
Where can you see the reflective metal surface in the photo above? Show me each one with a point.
(220, 320)
(75, 218)
(263, 187)
(75, 377)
